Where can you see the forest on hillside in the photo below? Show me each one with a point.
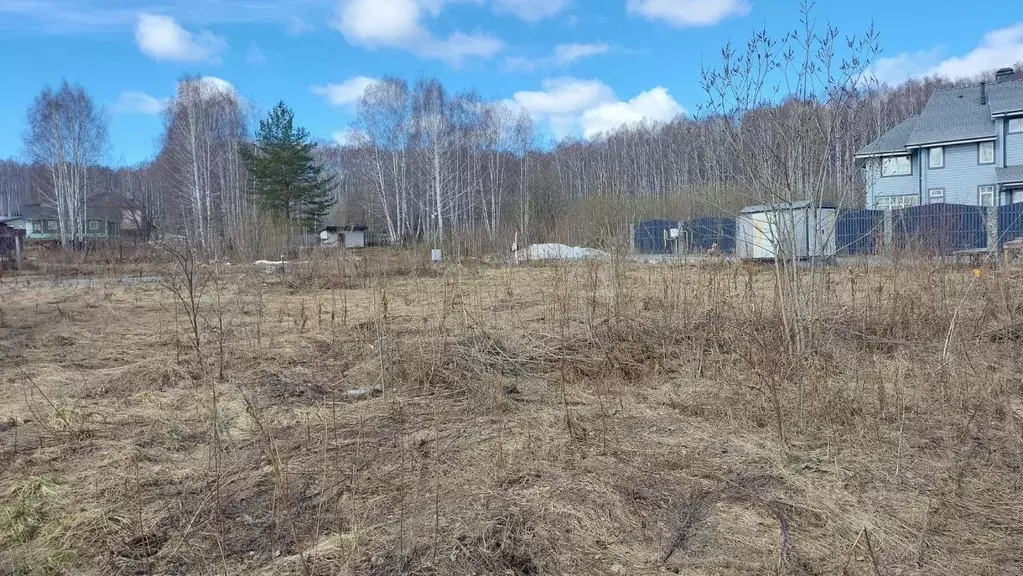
(783, 119)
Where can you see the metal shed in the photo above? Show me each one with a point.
(786, 230)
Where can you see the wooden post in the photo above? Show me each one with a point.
(17, 250)
(888, 232)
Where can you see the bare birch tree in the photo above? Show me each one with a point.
(205, 126)
(67, 134)
(15, 180)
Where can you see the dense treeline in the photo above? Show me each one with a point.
(423, 163)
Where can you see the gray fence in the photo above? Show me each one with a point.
(931, 228)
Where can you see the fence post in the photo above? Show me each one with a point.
(888, 232)
(994, 243)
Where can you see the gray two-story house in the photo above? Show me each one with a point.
(966, 147)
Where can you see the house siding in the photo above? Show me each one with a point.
(891, 185)
(961, 176)
(1014, 149)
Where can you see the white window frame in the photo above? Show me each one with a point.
(893, 161)
(931, 164)
(1019, 125)
(986, 190)
(936, 196)
(980, 152)
(896, 202)
(93, 224)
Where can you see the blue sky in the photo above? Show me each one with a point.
(579, 66)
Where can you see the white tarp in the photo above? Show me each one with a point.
(554, 251)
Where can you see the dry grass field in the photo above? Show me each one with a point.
(374, 415)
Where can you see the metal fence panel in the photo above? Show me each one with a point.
(1010, 222)
(653, 236)
(859, 231)
(705, 232)
(940, 228)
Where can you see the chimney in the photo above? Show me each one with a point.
(983, 92)
(1004, 75)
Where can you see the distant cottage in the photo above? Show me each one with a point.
(104, 219)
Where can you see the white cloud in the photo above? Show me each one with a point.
(219, 85)
(459, 46)
(652, 106)
(297, 25)
(563, 55)
(254, 55)
(207, 87)
(379, 22)
(562, 96)
(521, 64)
(161, 38)
(345, 93)
(686, 13)
(346, 137)
(133, 102)
(895, 69)
(532, 10)
(86, 16)
(997, 49)
(572, 106)
(567, 53)
(399, 24)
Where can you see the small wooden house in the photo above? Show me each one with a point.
(347, 236)
(41, 223)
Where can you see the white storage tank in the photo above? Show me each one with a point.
(787, 230)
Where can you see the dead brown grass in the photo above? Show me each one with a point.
(378, 415)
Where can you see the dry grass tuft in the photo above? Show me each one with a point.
(369, 413)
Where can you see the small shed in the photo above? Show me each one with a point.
(347, 236)
(12, 242)
(786, 230)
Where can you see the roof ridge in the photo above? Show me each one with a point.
(989, 84)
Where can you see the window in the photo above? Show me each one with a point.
(936, 158)
(896, 166)
(51, 224)
(1015, 125)
(896, 202)
(94, 225)
(986, 153)
(937, 195)
(986, 195)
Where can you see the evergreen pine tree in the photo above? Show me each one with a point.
(287, 181)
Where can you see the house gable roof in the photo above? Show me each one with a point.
(101, 207)
(892, 141)
(951, 115)
(1005, 98)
